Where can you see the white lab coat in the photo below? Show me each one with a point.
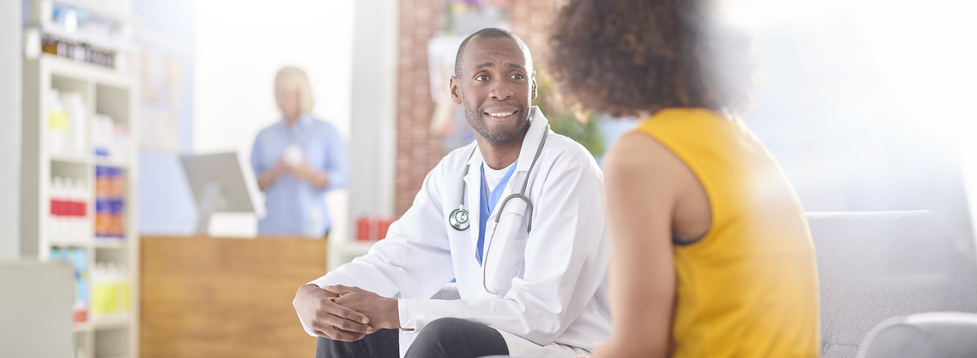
(552, 283)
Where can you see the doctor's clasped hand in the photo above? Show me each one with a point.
(317, 308)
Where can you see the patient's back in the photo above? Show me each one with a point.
(748, 288)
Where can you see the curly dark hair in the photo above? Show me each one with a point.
(623, 57)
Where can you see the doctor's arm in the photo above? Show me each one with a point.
(566, 260)
(413, 261)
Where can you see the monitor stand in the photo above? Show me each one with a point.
(210, 202)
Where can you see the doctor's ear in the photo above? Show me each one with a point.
(534, 85)
(453, 88)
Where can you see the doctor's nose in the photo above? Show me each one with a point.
(500, 91)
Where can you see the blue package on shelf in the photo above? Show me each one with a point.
(81, 274)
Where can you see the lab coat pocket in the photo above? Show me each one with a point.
(506, 255)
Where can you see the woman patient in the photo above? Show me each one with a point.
(712, 256)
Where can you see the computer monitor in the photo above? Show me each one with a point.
(221, 182)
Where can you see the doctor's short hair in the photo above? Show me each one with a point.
(492, 33)
(295, 78)
(623, 57)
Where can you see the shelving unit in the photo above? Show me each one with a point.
(107, 92)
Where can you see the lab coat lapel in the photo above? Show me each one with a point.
(473, 183)
(473, 180)
(526, 153)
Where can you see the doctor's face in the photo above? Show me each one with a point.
(496, 86)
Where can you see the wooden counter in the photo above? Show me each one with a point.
(225, 297)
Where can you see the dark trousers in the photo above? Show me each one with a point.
(442, 338)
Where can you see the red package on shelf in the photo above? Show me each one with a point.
(363, 231)
(370, 228)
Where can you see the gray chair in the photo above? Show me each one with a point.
(876, 265)
(931, 335)
(35, 309)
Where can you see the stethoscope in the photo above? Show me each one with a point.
(458, 218)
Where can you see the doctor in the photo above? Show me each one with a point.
(516, 218)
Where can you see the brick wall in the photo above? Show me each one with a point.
(417, 150)
(530, 21)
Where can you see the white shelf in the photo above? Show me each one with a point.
(93, 40)
(111, 322)
(98, 9)
(104, 90)
(110, 163)
(66, 67)
(80, 242)
(110, 243)
(103, 323)
(70, 158)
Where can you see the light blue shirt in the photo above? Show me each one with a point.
(290, 202)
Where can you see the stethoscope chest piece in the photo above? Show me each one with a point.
(458, 219)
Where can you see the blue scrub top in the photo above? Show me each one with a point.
(290, 202)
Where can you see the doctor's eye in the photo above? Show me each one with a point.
(518, 76)
(481, 77)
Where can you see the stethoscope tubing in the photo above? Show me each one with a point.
(498, 216)
(462, 225)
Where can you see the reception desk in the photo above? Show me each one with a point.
(225, 297)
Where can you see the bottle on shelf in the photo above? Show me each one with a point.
(102, 204)
(78, 51)
(79, 210)
(111, 290)
(78, 259)
(57, 122)
(121, 142)
(57, 200)
(74, 105)
(71, 212)
(118, 192)
(110, 191)
(68, 218)
(102, 127)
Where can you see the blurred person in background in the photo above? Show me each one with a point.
(711, 252)
(297, 160)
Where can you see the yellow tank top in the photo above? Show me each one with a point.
(748, 288)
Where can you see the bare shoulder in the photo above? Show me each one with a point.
(637, 159)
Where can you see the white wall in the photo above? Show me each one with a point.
(10, 120)
(374, 108)
(239, 46)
